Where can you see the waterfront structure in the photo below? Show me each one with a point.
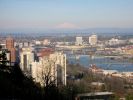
(115, 41)
(54, 64)
(112, 73)
(79, 40)
(93, 40)
(26, 59)
(10, 47)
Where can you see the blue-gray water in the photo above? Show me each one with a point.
(102, 62)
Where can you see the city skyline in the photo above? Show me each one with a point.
(64, 15)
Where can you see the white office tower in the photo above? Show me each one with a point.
(53, 65)
(79, 41)
(26, 59)
(93, 40)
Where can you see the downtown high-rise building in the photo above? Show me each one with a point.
(79, 40)
(10, 47)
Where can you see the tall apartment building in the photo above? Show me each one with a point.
(26, 59)
(93, 40)
(55, 63)
(60, 63)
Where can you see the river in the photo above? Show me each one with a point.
(103, 62)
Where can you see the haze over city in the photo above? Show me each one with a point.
(66, 16)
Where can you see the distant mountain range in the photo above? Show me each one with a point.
(90, 30)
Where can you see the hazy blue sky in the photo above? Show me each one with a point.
(41, 15)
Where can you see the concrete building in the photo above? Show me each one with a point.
(79, 41)
(10, 47)
(93, 40)
(26, 59)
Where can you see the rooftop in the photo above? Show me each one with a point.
(95, 94)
